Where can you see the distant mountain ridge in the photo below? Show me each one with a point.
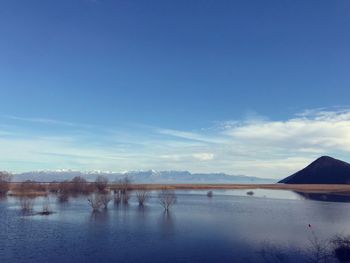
(324, 170)
(150, 176)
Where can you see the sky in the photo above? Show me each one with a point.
(258, 88)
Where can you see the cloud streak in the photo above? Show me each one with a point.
(46, 121)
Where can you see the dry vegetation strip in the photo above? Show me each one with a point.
(307, 188)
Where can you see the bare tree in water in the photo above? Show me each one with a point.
(122, 191)
(142, 196)
(95, 202)
(46, 207)
(318, 250)
(27, 204)
(117, 196)
(167, 198)
(125, 189)
(104, 198)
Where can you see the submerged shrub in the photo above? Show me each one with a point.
(95, 203)
(104, 198)
(117, 197)
(210, 194)
(26, 204)
(142, 196)
(167, 198)
(46, 207)
(99, 200)
(122, 193)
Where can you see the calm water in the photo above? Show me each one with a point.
(230, 227)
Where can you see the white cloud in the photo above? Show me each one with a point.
(319, 132)
(258, 146)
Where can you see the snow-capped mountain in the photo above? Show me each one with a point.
(150, 176)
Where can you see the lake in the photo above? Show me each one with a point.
(229, 227)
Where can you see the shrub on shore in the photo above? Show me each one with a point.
(5, 179)
(101, 183)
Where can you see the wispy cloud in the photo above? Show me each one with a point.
(46, 121)
(190, 136)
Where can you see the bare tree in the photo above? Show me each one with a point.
(101, 183)
(126, 197)
(124, 190)
(26, 204)
(79, 185)
(167, 198)
(95, 202)
(117, 197)
(46, 207)
(142, 196)
(63, 192)
(5, 179)
(125, 183)
(318, 250)
(104, 198)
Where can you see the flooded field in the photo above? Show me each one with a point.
(231, 226)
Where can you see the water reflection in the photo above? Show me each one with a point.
(325, 197)
(3, 197)
(142, 211)
(167, 223)
(100, 216)
(197, 230)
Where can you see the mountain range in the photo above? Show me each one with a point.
(150, 176)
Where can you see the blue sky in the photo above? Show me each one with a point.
(189, 85)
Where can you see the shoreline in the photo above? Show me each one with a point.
(306, 188)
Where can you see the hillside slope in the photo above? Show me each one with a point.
(325, 170)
